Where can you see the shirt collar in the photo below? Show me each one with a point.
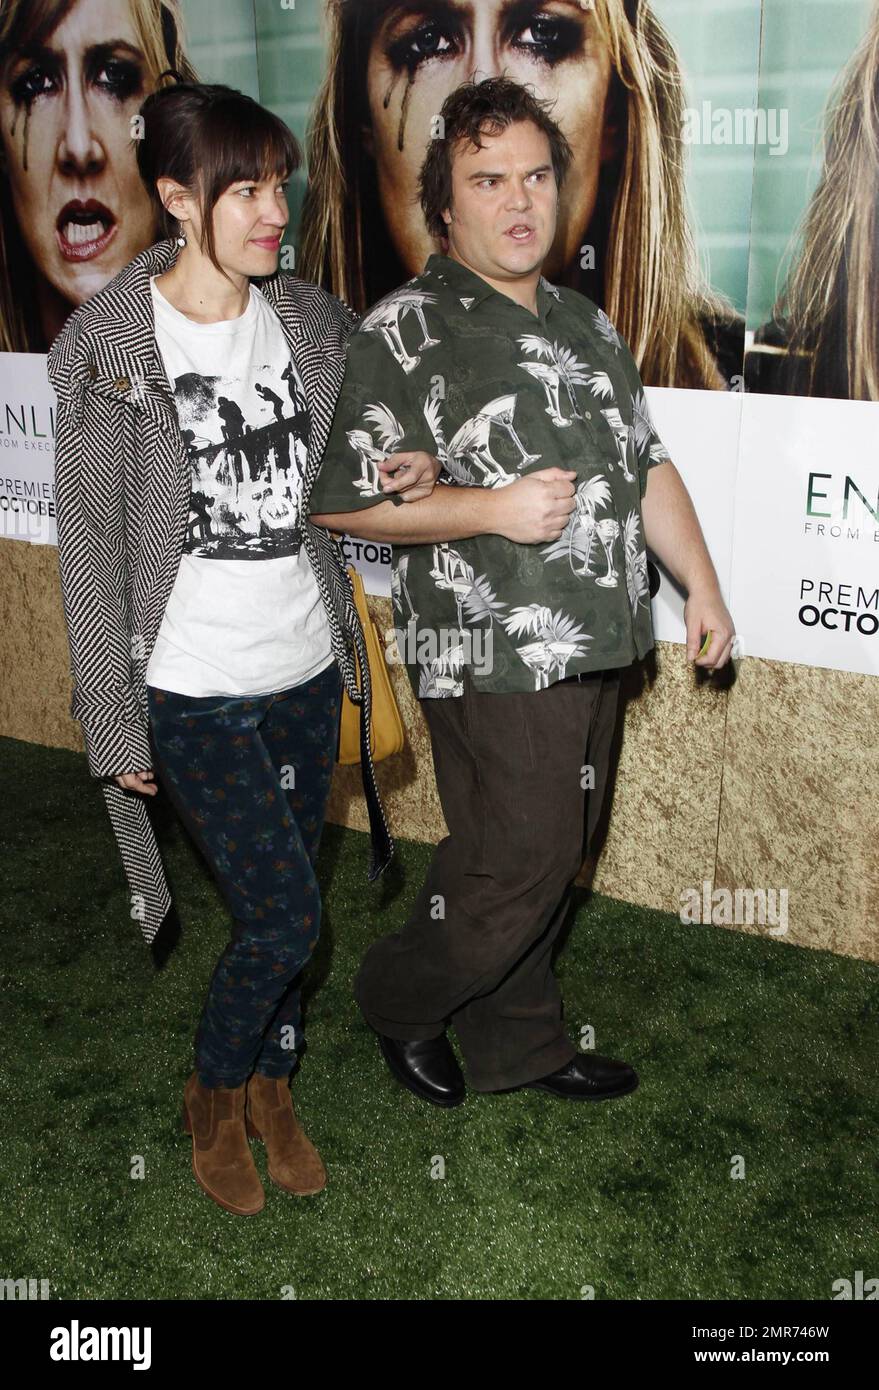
(470, 289)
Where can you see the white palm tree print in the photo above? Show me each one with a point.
(600, 385)
(481, 601)
(644, 431)
(579, 534)
(390, 434)
(441, 677)
(557, 640)
(637, 583)
(474, 597)
(604, 326)
(557, 366)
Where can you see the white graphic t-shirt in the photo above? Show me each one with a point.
(245, 616)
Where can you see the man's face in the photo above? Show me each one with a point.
(502, 219)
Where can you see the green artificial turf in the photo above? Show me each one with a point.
(744, 1046)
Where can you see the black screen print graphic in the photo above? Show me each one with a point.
(246, 439)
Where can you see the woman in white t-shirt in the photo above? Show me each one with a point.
(241, 675)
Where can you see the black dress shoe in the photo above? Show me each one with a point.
(589, 1078)
(428, 1068)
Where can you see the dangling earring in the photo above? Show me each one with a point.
(181, 241)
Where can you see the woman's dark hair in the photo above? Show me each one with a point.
(469, 112)
(207, 137)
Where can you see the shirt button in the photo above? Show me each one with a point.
(91, 371)
(122, 383)
(588, 414)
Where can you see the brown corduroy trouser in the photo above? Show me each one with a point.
(476, 949)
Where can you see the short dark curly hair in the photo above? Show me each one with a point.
(470, 111)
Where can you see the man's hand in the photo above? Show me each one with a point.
(706, 611)
(412, 474)
(137, 782)
(535, 508)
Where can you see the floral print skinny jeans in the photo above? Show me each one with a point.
(249, 777)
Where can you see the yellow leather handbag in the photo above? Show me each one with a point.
(386, 725)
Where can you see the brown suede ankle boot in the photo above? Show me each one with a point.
(221, 1159)
(293, 1161)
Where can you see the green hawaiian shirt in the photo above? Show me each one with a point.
(450, 365)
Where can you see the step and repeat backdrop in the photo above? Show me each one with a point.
(723, 208)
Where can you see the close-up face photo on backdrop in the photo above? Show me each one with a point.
(74, 210)
(612, 77)
(820, 278)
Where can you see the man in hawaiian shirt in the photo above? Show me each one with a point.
(520, 592)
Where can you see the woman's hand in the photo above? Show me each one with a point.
(137, 782)
(412, 474)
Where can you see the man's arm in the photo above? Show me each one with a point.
(673, 533)
(377, 414)
(449, 514)
(533, 509)
(672, 530)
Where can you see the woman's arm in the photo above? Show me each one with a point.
(90, 509)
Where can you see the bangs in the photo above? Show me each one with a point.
(244, 142)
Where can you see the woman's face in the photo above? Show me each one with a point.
(65, 111)
(421, 51)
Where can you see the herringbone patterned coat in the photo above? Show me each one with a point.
(122, 481)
